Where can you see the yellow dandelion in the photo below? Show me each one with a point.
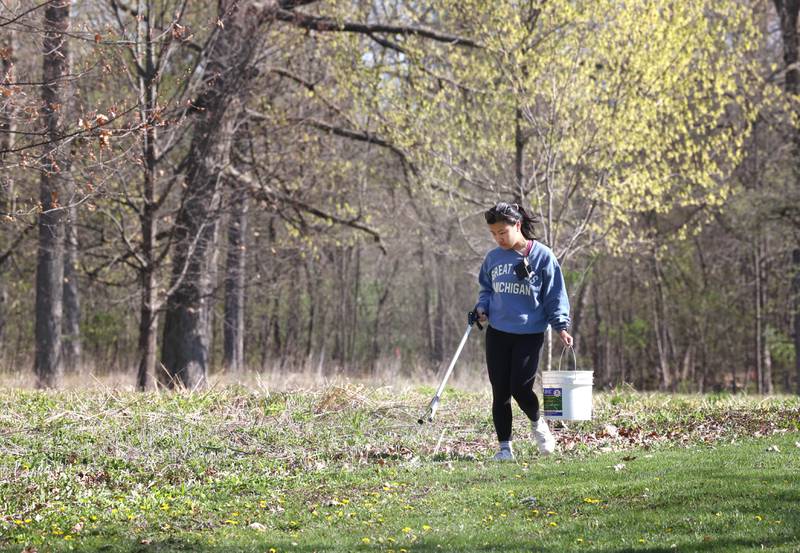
(19, 521)
(406, 529)
(68, 537)
(642, 540)
(232, 522)
(551, 513)
(591, 500)
(365, 541)
(273, 550)
(579, 540)
(262, 504)
(345, 501)
(759, 518)
(553, 524)
(28, 520)
(426, 528)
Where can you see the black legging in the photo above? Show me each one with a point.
(512, 360)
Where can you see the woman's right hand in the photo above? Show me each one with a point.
(482, 318)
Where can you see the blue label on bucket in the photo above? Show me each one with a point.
(552, 402)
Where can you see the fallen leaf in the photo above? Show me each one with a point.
(77, 528)
(629, 458)
(611, 430)
(774, 448)
(619, 466)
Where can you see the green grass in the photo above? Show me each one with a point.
(348, 469)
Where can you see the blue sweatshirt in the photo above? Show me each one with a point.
(523, 307)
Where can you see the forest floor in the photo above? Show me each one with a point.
(347, 468)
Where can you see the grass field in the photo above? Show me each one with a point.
(346, 468)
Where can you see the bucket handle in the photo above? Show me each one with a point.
(574, 358)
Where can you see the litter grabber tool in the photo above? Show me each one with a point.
(472, 319)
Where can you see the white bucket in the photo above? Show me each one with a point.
(568, 394)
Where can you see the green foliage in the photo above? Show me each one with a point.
(621, 108)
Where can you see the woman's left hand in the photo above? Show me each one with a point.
(566, 338)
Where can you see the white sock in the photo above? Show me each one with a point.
(505, 445)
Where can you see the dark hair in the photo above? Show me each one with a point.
(503, 212)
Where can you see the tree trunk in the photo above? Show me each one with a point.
(660, 325)
(796, 295)
(148, 306)
(764, 355)
(577, 311)
(355, 301)
(7, 124)
(72, 307)
(788, 12)
(186, 341)
(519, 157)
(148, 213)
(758, 330)
(48, 365)
(212, 289)
(308, 267)
(7, 127)
(426, 300)
(235, 283)
(438, 314)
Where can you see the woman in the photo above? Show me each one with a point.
(521, 292)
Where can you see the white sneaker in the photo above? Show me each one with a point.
(504, 455)
(544, 439)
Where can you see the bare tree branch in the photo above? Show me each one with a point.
(261, 192)
(326, 24)
(10, 251)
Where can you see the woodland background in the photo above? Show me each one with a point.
(298, 185)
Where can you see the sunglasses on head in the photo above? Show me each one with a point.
(502, 211)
